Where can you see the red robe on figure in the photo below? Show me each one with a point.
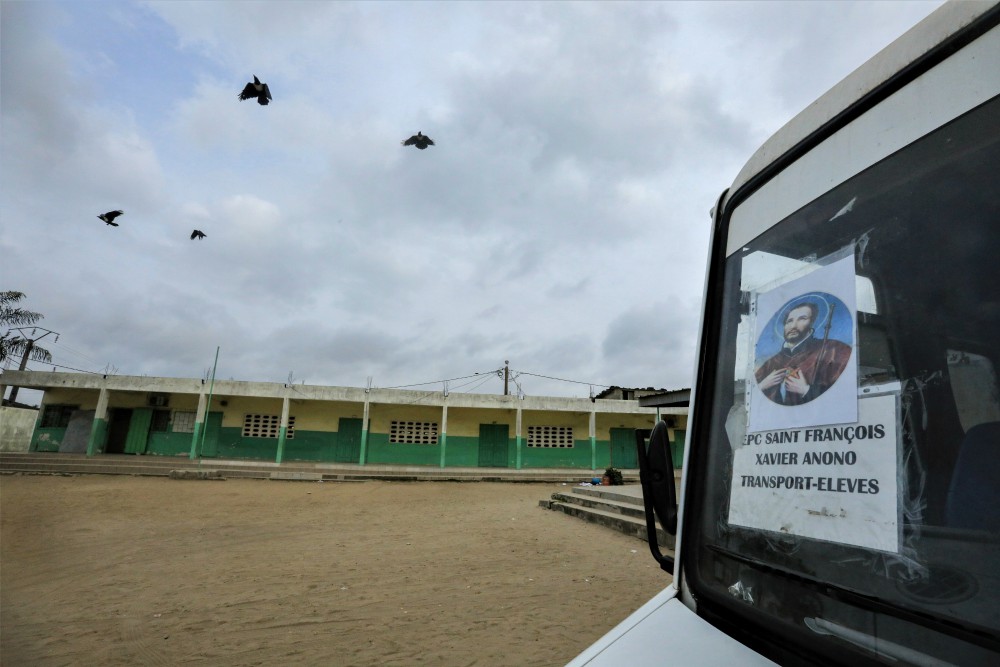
(819, 362)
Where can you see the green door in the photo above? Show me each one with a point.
(138, 431)
(348, 447)
(677, 449)
(623, 454)
(493, 442)
(212, 428)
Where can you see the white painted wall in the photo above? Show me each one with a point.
(16, 427)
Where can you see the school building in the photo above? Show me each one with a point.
(159, 416)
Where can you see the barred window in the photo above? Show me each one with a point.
(413, 433)
(183, 422)
(266, 426)
(160, 421)
(57, 416)
(550, 436)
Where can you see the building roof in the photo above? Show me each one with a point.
(610, 391)
(57, 380)
(677, 398)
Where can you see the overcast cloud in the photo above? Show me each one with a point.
(560, 221)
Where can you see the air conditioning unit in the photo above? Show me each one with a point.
(158, 400)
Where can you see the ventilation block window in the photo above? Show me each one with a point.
(266, 426)
(550, 436)
(183, 422)
(413, 433)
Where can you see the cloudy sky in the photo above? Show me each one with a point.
(560, 222)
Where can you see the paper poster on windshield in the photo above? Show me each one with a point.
(805, 370)
(835, 483)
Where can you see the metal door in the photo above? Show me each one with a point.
(623, 454)
(493, 443)
(212, 427)
(348, 446)
(138, 431)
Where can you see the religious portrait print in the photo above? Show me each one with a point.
(801, 363)
(803, 349)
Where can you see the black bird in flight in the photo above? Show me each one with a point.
(419, 140)
(197, 234)
(109, 217)
(258, 90)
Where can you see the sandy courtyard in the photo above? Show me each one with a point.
(153, 571)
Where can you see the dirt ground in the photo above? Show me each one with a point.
(153, 571)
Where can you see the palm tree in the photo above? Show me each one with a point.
(12, 317)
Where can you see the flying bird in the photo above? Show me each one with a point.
(197, 234)
(419, 140)
(258, 90)
(109, 217)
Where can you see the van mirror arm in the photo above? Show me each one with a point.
(659, 498)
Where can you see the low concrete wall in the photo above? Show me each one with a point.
(16, 427)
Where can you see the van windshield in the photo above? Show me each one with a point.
(849, 494)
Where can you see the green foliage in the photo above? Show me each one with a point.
(12, 316)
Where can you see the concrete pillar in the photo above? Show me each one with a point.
(517, 437)
(33, 445)
(444, 431)
(200, 416)
(283, 429)
(364, 432)
(99, 429)
(593, 439)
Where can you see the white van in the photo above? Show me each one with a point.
(840, 503)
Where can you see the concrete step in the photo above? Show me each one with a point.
(628, 525)
(630, 494)
(628, 508)
(617, 507)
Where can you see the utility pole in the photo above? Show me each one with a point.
(24, 359)
(506, 376)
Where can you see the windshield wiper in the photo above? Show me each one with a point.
(876, 645)
(970, 633)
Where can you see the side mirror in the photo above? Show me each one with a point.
(656, 474)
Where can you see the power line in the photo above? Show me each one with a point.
(475, 378)
(79, 370)
(549, 377)
(482, 378)
(485, 379)
(420, 384)
(73, 351)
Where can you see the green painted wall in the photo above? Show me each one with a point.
(462, 452)
(318, 446)
(577, 456)
(380, 450)
(310, 446)
(305, 446)
(169, 444)
(47, 439)
(232, 445)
